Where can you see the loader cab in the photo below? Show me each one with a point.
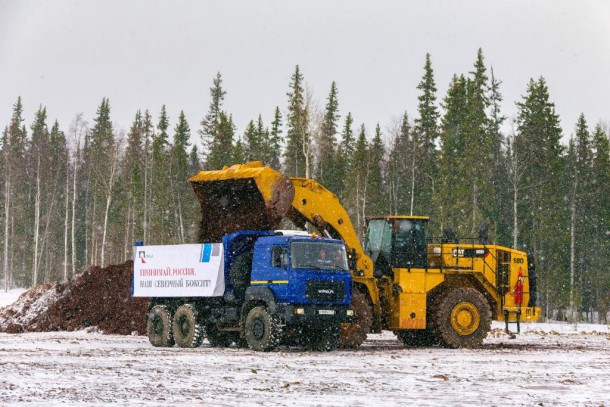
(396, 242)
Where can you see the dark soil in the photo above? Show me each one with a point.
(100, 297)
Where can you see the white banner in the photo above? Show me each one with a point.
(185, 270)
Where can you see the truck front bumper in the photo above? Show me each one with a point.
(314, 313)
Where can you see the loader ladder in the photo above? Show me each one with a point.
(502, 273)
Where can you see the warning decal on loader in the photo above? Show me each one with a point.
(186, 270)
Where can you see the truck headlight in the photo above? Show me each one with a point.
(349, 312)
(299, 311)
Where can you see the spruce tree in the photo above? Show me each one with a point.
(478, 155)
(297, 144)
(358, 173)
(426, 129)
(375, 188)
(18, 218)
(194, 163)
(327, 173)
(133, 180)
(239, 153)
(254, 142)
(103, 154)
(160, 216)
(275, 140)
(39, 183)
(343, 156)
(56, 231)
(599, 253)
(581, 196)
(211, 123)
(184, 208)
(401, 170)
(221, 152)
(454, 192)
(148, 137)
(543, 229)
(500, 208)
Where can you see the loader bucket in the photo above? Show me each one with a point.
(241, 197)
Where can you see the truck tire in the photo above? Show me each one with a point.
(324, 340)
(216, 338)
(354, 334)
(186, 328)
(159, 326)
(262, 330)
(462, 318)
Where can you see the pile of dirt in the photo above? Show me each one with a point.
(100, 297)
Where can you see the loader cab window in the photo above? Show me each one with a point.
(396, 243)
(378, 245)
(410, 244)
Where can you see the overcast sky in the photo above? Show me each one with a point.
(68, 55)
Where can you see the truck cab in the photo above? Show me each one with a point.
(303, 280)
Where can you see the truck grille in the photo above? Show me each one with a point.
(325, 291)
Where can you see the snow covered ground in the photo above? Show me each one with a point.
(10, 296)
(547, 364)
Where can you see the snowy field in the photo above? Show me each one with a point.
(547, 364)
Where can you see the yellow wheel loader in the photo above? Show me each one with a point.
(427, 291)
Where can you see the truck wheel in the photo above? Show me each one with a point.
(186, 328)
(324, 340)
(417, 337)
(262, 330)
(352, 335)
(462, 318)
(159, 326)
(216, 338)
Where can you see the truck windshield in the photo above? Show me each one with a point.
(318, 255)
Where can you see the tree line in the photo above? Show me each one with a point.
(76, 197)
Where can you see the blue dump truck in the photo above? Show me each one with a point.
(255, 289)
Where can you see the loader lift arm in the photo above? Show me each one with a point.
(254, 197)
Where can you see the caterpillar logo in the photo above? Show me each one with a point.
(476, 253)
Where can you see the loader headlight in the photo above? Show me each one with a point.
(299, 311)
(349, 312)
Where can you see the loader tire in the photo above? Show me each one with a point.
(324, 340)
(216, 338)
(354, 334)
(262, 330)
(462, 318)
(186, 328)
(159, 326)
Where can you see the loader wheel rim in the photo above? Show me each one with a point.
(465, 318)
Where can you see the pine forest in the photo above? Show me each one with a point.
(81, 195)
